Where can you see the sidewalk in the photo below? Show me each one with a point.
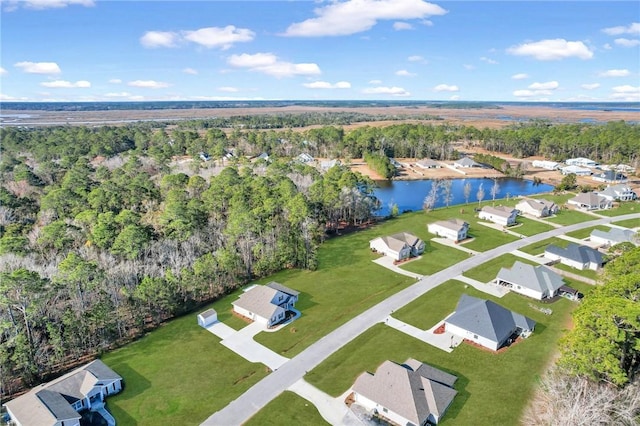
(387, 262)
(243, 344)
(448, 242)
(537, 259)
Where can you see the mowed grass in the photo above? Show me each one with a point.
(539, 247)
(587, 273)
(488, 270)
(287, 409)
(504, 382)
(629, 223)
(570, 217)
(559, 199)
(581, 234)
(436, 257)
(622, 208)
(178, 374)
(530, 227)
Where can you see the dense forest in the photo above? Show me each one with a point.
(104, 234)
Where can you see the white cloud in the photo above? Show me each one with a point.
(626, 93)
(549, 85)
(375, 81)
(625, 42)
(626, 89)
(4, 97)
(218, 37)
(45, 4)
(63, 84)
(469, 67)
(190, 71)
(3, 71)
(523, 93)
(520, 76)
(39, 67)
(153, 39)
(382, 90)
(633, 28)
(401, 26)
(607, 46)
(118, 95)
(446, 88)
(269, 63)
(327, 85)
(228, 89)
(115, 81)
(427, 23)
(454, 98)
(552, 50)
(615, 73)
(590, 86)
(405, 73)
(148, 84)
(415, 58)
(488, 60)
(354, 16)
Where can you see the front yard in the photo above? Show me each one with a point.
(488, 270)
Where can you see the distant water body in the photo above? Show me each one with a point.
(409, 195)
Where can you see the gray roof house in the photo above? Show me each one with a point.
(590, 201)
(466, 162)
(398, 246)
(410, 394)
(487, 323)
(610, 176)
(59, 401)
(613, 236)
(537, 207)
(620, 192)
(266, 304)
(427, 163)
(453, 229)
(538, 282)
(501, 215)
(576, 256)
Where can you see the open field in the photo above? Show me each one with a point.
(502, 381)
(622, 208)
(530, 227)
(570, 217)
(539, 247)
(630, 223)
(583, 233)
(288, 409)
(587, 273)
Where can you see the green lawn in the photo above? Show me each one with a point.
(178, 374)
(539, 247)
(530, 227)
(585, 232)
(503, 381)
(623, 208)
(287, 409)
(488, 270)
(570, 217)
(629, 223)
(435, 258)
(559, 199)
(587, 273)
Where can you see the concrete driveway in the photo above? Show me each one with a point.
(387, 262)
(489, 288)
(445, 341)
(242, 343)
(333, 410)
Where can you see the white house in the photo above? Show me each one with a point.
(208, 317)
(304, 158)
(409, 394)
(427, 163)
(538, 282)
(452, 229)
(505, 216)
(465, 162)
(487, 323)
(576, 256)
(576, 170)
(581, 161)
(537, 207)
(398, 246)
(618, 192)
(590, 201)
(610, 176)
(266, 304)
(60, 401)
(613, 236)
(326, 165)
(549, 165)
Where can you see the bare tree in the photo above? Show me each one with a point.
(480, 194)
(432, 196)
(447, 195)
(495, 189)
(466, 191)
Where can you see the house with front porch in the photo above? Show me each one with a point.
(452, 229)
(266, 304)
(501, 215)
(537, 282)
(61, 401)
(537, 207)
(590, 201)
(412, 393)
(620, 192)
(399, 246)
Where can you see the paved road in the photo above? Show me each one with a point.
(255, 398)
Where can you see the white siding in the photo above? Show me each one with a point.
(465, 334)
(372, 405)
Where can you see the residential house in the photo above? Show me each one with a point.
(549, 165)
(60, 401)
(581, 161)
(466, 162)
(409, 394)
(398, 246)
(537, 207)
(427, 163)
(590, 201)
(610, 176)
(620, 192)
(266, 304)
(208, 317)
(576, 170)
(452, 229)
(204, 156)
(576, 256)
(538, 282)
(502, 215)
(304, 158)
(487, 323)
(613, 236)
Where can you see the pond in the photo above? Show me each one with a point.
(409, 195)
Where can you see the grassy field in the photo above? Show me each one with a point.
(585, 232)
(502, 381)
(539, 247)
(570, 217)
(559, 199)
(587, 273)
(623, 208)
(530, 227)
(488, 270)
(629, 223)
(287, 409)
(178, 374)
(435, 258)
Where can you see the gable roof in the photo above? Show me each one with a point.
(487, 319)
(399, 241)
(578, 253)
(258, 300)
(453, 224)
(538, 278)
(589, 199)
(614, 234)
(427, 162)
(412, 390)
(466, 162)
(501, 211)
(277, 286)
(537, 204)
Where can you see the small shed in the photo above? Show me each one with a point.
(208, 317)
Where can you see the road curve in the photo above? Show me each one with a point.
(255, 398)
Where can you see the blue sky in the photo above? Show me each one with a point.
(86, 50)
